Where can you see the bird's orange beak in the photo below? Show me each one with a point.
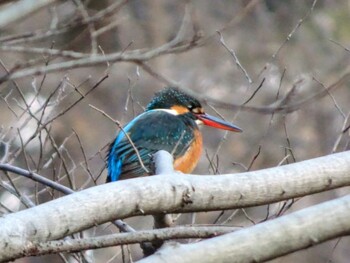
(217, 123)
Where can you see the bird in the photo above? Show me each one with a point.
(170, 122)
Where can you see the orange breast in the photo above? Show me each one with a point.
(189, 160)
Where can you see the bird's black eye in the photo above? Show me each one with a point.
(190, 107)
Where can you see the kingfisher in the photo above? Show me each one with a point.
(171, 123)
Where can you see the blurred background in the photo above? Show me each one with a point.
(287, 52)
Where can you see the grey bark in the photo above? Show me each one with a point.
(267, 240)
(168, 194)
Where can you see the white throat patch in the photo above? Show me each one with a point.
(172, 112)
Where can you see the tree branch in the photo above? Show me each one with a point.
(76, 245)
(21, 9)
(36, 177)
(267, 240)
(168, 194)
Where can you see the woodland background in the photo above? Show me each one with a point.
(286, 51)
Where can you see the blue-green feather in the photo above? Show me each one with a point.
(150, 132)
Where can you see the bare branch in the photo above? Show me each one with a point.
(45, 51)
(282, 107)
(300, 22)
(90, 25)
(21, 9)
(332, 97)
(174, 46)
(75, 245)
(286, 234)
(181, 193)
(66, 27)
(338, 44)
(233, 54)
(336, 144)
(35, 177)
(126, 135)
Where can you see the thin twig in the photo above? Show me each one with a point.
(332, 97)
(86, 166)
(64, 28)
(290, 35)
(255, 92)
(233, 54)
(44, 51)
(125, 134)
(340, 136)
(337, 43)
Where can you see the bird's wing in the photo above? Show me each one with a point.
(150, 132)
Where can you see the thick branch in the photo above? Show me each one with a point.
(54, 185)
(267, 240)
(168, 194)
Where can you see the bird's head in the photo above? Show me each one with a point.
(178, 102)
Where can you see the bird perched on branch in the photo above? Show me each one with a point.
(170, 122)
